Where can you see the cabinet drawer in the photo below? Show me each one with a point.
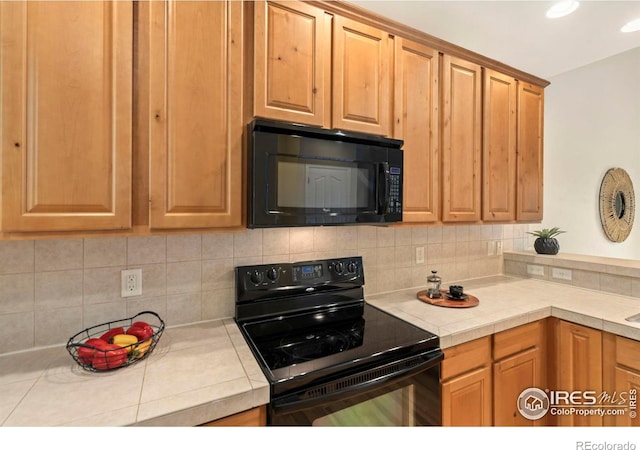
(465, 357)
(628, 352)
(517, 339)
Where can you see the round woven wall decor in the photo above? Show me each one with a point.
(617, 204)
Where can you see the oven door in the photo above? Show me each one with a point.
(382, 396)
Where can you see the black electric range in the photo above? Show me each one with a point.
(317, 339)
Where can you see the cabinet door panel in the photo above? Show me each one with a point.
(461, 140)
(627, 380)
(511, 376)
(195, 76)
(361, 78)
(530, 151)
(66, 109)
(466, 399)
(416, 122)
(499, 147)
(292, 63)
(580, 366)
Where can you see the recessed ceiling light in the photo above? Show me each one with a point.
(563, 8)
(634, 25)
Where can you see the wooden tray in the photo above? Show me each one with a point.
(470, 301)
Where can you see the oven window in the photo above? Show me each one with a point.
(395, 408)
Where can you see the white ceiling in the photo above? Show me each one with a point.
(518, 34)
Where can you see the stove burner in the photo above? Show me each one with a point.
(312, 344)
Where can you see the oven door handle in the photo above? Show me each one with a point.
(295, 401)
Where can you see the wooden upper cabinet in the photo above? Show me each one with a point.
(195, 118)
(292, 63)
(361, 77)
(461, 140)
(530, 152)
(499, 147)
(416, 122)
(66, 115)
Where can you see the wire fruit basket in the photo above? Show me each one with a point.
(117, 344)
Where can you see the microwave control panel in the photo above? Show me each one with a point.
(395, 193)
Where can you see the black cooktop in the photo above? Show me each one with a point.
(294, 347)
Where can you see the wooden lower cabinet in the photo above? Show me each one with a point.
(578, 366)
(621, 374)
(250, 418)
(466, 384)
(520, 363)
(466, 399)
(482, 379)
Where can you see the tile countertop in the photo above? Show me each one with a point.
(507, 302)
(196, 374)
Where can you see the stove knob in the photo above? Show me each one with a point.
(352, 267)
(338, 267)
(273, 274)
(256, 277)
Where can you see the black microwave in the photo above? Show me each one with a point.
(305, 176)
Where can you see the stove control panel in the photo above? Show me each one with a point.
(304, 275)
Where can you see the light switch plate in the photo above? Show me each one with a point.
(419, 255)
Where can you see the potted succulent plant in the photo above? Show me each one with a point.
(546, 242)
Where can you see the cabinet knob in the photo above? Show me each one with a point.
(16, 145)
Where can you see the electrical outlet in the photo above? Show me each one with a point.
(498, 247)
(561, 274)
(491, 248)
(131, 283)
(535, 270)
(419, 255)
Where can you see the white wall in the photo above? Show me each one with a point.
(592, 124)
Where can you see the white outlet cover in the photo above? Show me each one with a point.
(535, 270)
(561, 274)
(131, 283)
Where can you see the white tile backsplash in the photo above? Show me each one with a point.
(105, 252)
(146, 250)
(16, 257)
(184, 248)
(58, 254)
(52, 289)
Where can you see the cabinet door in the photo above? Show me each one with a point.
(530, 151)
(499, 147)
(511, 376)
(416, 122)
(361, 78)
(579, 356)
(66, 115)
(461, 140)
(628, 380)
(195, 121)
(292, 60)
(466, 399)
